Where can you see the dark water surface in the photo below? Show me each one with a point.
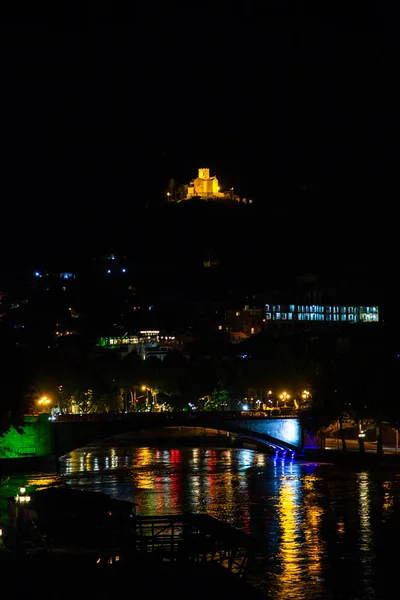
(327, 532)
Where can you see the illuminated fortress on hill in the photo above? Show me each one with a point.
(204, 187)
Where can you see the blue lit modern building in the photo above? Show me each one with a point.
(318, 312)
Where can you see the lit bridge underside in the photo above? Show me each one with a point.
(281, 433)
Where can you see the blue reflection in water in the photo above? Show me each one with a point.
(245, 458)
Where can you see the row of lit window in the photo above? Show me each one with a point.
(115, 341)
(276, 308)
(309, 317)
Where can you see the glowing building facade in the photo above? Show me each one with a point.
(326, 313)
(204, 186)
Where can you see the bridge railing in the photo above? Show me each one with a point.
(181, 416)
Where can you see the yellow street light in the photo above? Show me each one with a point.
(151, 395)
(22, 499)
(43, 402)
(284, 396)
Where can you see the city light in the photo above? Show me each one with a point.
(22, 498)
(285, 397)
(43, 403)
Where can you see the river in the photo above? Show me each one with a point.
(327, 532)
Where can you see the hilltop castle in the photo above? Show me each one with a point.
(204, 186)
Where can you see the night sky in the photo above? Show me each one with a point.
(97, 120)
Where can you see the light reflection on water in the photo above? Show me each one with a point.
(326, 533)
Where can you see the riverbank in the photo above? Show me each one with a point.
(351, 459)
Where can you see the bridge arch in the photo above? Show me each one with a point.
(282, 434)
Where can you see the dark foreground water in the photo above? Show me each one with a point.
(327, 532)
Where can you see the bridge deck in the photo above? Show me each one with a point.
(283, 432)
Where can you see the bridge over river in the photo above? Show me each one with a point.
(283, 433)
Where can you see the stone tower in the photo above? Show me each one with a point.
(204, 173)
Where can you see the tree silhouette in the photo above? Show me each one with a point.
(16, 383)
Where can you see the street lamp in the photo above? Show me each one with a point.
(305, 396)
(153, 393)
(284, 396)
(22, 497)
(43, 403)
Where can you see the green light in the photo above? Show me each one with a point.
(35, 440)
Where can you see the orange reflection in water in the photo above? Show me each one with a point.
(364, 512)
(143, 478)
(217, 483)
(300, 522)
(167, 487)
(162, 499)
(312, 528)
(388, 497)
(40, 482)
(289, 518)
(340, 528)
(366, 543)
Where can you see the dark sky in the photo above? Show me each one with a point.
(97, 119)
